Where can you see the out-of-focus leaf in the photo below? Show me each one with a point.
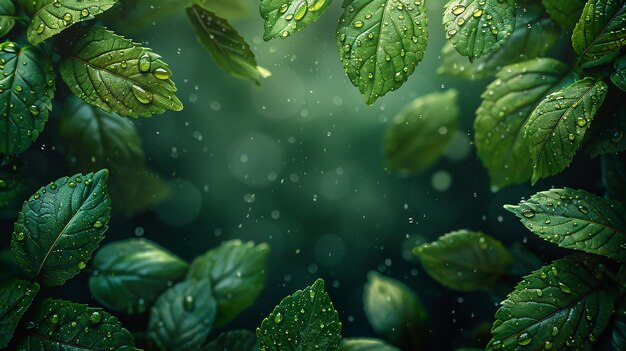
(228, 8)
(364, 344)
(12, 184)
(286, 17)
(566, 13)
(606, 135)
(523, 260)
(600, 32)
(144, 13)
(7, 17)
(15, 298)
(236, 340)
(619, 76)
(614, 176)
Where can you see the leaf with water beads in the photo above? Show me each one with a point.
(562, 306)
(286, 17)
(304, 321)
(7, 17)
(15, 298)
(566, 13)
(600, 32)
(60, 226)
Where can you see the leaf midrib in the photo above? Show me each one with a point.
(603, 31)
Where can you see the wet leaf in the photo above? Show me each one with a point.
(364, 344)
(566, 13)
(7, 17)
(600, 30)
(380, 43)
(15, 298)
(619, 76)
(60, 226)
(606, 135)
(614, 176)
(286, 17)
(236, 340)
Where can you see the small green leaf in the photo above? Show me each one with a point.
(577, 220)
(364, 344)
(130, 274)
(506, 107)
(286, 17)
(51, 17)
(236, 340)
(562, 306)
(117, 75)
(619, 76)
(558, 125)
(62, 325)
(7, 17)
(380, 43)
(614, 176)
(26, 91)
(465, 260)
(228, 49)
(60, 226)
(418, 136)
(15, 298)
(182, 317)
(304, 321)
(237, 272)
(606, 135)
(600, 31)
(476, 28)
(566, 13)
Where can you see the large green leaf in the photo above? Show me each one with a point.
(606, 135)
(614, 176)
(576, 219)
(562, 306)
(465, 260)
(117, 75)
(62, 325)
(558, 125)
(600, 30)
(417, 137)
(381, 42)
(7, 17)
(507, 103)
(51, 17)
(619, 76)
(129, 275)
(60, 226)
(566, 13)
(236, 340)
(304, 321)
(477, 27)
(364, 344)
(15, 298)
(286, 17)
(26, 91)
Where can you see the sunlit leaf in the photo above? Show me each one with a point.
(15, 298)
(7, 17)
(286, 17)
(364, 344)
(614, 176)
(600, 30)
(236, 340)
(566, 13)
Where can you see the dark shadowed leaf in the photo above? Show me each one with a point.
(619, 76)
(13, 185)
(15, 298)
(614, 176)
(606, 135)
(7, 17)
(363, 344)
(236, 340)
(566, 13)
(600, 32)
(286, 17)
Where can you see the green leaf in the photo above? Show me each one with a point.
(51, 17)
(562, 306)
(237, 273)
(25, 98)
(15, 298)
(558, 125)
(182, 317)
(117, 75)
(614, 176)
(12, 184)
(394, 311)
(380, 43)
(304, 321)
(228, 49)
(618, 331)
(577, 220)
(566, 13)
(419, 135)
(476, 28)
(7, 17)
(465, 260)
(129, 275)
(236, 340)
(286, 17)
(619, 76)
(600, 30)
(227, 8)
(60, 226)
(364, 344)
(506, 106)
(63, 325)
(606, 135)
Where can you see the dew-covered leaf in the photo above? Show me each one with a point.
(380, 43)
(365, 344)
(477, 27)
(419, 135)
(566, 13)
(117, 75)
(26, 91)
(304, 321)
(506, 106)
(60, 226)
(7, 17)
(558, 125)
(465, 260)
(182, 317)
(577, 220)
(600, 32)
(286, 17)
(619, 76)
(565, 305)
(129, 275)
(236, 340)
(15, 298)
(614, 176)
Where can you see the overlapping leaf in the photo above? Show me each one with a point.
(7, 17)
(600, 32)
(566, 13)
(15, 298)
(286, 17)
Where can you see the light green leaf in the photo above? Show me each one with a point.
(117, 75)
(606, 135)
(364, 344)
(25, 97)
(7, 17)
(237, 273)
(476, 28)
(419, 135)
(228, 49)
(304, 321)
(286, 17)
(558, 125)
(380, 43)
(619, 76)
(60, 226)
(182, 317)
(566, 13)
(506, 106)
(15, 298)
(600, 30)
(62, 325)
(565, 305)
(227, 8)
(51, 17)
(614, 176)
(465, 260)
(129, 275)
(577, 220)
(236, 340)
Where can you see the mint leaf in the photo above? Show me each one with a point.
(7, 17)
(600, 31)
(364, 344)
(15, 298)
(236, 340)
(286, 17)
(566, 13)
